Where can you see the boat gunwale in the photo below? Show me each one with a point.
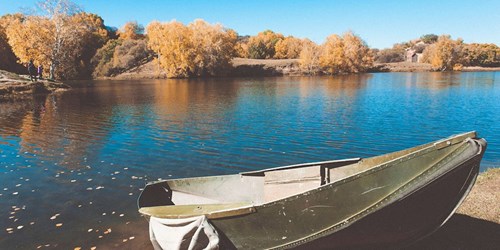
(428, 148)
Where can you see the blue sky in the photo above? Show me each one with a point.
(379, 23)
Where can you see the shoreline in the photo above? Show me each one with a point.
(14, 86)
(244, 67)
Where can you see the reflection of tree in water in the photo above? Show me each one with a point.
(433, 80)
(201, 103)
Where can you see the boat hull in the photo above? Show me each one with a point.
(409, 219)
(387, 201)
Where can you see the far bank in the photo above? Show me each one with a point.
(278, 67)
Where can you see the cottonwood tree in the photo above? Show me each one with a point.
(309, 57)
(445, 54)
(131, 30)
(8, 60)
(59, 37)
(345, 54)
(262, 46)
(193, 50)
(288, 48)
(213, 47)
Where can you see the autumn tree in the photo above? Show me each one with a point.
(288, 48)
(309, 57)
(345, 54)
(390, 55)
(476, 54)
(241, 47)
(445, 54)
(263, 45)
(8, 60)
(131, 30)
(61, 38)
(93, 38)
(429, 38)
(193, 50)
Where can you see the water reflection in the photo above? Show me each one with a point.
(85, 154)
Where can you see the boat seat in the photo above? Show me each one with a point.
(212, 211)
(282, 183)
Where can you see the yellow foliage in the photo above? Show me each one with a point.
(30, 39)
(288, 48)
(263, 45)
(59, 43)
(131, 30)
(346, 54)
(193, 50)
(309, 57)
(444, 54)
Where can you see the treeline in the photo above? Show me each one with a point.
(443, 52)
(70, 44)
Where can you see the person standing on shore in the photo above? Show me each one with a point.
(40, 71)
(32, 70)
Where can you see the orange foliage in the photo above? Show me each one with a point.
(194, 50)
(131, 30)
(346, 54)
(59, 43)
(445, 54)
(263, 45)
(309, 57)
(288, 48)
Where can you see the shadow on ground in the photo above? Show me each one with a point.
(462, 232)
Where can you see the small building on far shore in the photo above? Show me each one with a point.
(413, 56)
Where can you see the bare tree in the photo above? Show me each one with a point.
(59, 12)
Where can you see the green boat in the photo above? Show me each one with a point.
(387, 201)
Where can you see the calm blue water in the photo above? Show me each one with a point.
(81, 157)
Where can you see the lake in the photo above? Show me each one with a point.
(72, 164)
